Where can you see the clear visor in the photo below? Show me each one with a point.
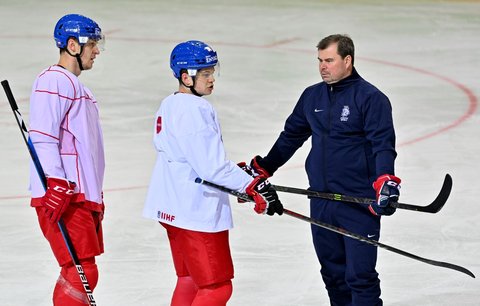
(206, 73)
(99, 43)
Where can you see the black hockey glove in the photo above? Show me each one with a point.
(265, 197)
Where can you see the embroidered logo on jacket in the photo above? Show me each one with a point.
(345, 113)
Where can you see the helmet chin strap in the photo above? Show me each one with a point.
(192, 87)
(77, 56)
(194, 91)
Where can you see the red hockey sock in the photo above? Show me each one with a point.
(185, 291)
(69, 289)
(214, 295)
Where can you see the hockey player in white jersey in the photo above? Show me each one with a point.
(66, 133)
(197, 218)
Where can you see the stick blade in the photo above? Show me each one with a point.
(442, 197)
(439, 201)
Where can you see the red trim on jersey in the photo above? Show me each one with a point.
(77, 167)
(40, 132)
(56, 93)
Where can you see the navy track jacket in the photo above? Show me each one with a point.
(353, 138)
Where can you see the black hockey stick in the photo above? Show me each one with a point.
(433, 207)
(344, 232)
(41, 174)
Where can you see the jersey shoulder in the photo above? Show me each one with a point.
(188, 113)
(56, 79)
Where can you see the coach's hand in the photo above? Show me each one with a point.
(387, 190)
(258, 169)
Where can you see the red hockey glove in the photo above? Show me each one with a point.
(265, 197)
(257, 169)
(387, 190)
(57, 197)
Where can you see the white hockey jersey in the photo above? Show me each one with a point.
(189, 144)
(65, 131)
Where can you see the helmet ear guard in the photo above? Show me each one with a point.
(192, 72)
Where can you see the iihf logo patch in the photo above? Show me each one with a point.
(159, 124)
(345, 113)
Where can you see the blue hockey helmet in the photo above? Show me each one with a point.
(192, 55)
(77, 26)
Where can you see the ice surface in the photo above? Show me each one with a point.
(423, 54)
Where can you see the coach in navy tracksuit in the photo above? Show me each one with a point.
(353, 149)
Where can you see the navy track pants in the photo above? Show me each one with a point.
(347, 264)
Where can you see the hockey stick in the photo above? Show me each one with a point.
(433, 207)
(343, 232)
(43, 179)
